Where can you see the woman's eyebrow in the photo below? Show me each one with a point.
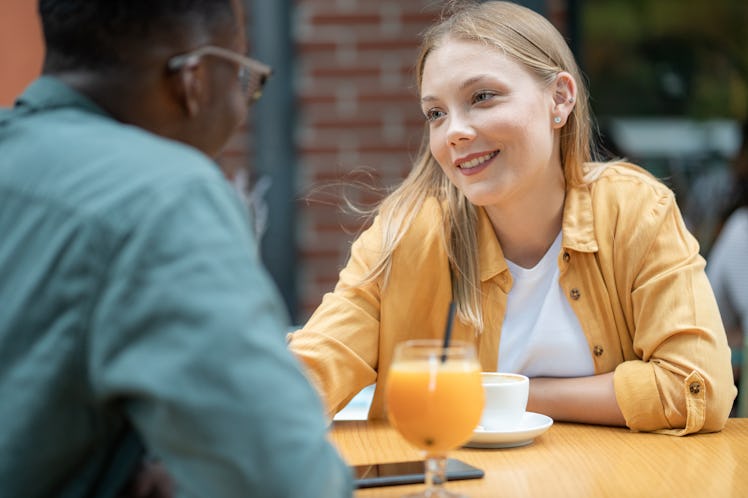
(468, 82)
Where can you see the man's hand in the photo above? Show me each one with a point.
(150, 481)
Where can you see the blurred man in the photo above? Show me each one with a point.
(134, 315)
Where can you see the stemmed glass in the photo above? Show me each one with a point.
(434, 400)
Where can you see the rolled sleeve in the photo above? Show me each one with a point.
(638, 396)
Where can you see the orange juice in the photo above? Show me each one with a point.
(434, 405)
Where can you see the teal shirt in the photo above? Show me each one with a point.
(131, 293)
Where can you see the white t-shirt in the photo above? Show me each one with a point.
(541, 336)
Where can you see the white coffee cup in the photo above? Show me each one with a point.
(506, 400)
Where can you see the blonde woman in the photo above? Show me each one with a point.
(579, 274)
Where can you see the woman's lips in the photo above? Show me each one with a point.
(477, 164)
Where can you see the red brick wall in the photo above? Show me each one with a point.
(358, 112)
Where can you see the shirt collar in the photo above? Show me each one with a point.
(48, 92)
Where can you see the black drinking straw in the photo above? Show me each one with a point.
(448, 330)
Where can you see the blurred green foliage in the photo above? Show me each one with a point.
(684, 58)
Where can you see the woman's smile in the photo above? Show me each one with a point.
(476, 164)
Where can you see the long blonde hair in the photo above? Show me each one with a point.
(533, 41)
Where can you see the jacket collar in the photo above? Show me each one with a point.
(491, 256)
(578, 225)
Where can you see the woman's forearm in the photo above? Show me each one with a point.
(590, 400)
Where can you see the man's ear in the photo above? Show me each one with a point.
(188, 87)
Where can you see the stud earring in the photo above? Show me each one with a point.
(571, 100)
(557, 119)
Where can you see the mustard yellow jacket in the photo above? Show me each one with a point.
(629, 267)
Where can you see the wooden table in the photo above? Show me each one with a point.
(576, 461)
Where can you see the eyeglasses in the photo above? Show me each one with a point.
(252, 74)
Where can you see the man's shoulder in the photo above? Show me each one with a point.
(138, 150)
(151, 161)
(95, 167)
(139, 173)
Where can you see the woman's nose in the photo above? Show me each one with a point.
(459, 129)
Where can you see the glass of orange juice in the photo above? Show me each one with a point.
(434, 400)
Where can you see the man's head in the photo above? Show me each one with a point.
(102, 34)
(120, 53)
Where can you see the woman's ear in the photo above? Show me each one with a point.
(564, 98)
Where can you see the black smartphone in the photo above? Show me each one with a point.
(392, 474)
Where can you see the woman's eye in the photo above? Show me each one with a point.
(482, 96)
(433, 114)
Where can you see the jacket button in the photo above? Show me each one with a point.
(695, 388)
(574, 293)
(598, 350)
(567, 257)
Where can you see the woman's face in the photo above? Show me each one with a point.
(491, 124)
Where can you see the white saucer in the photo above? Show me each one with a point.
(531, 426)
